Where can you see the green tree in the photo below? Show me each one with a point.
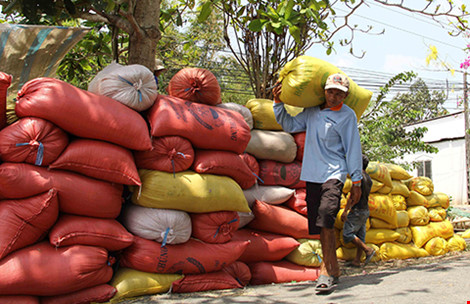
(382, 127)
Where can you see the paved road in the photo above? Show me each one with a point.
(443, 279)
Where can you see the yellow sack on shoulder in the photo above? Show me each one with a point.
(303, 81)
(263, 113)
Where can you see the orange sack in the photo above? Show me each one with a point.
(26, 221)
(281, 272)
(32, 140)
(191, 257)
(83, 230)
(77, 194)
(47, 271)
(19, 299)
(300, 142)
(5, 82)
(99, 159)
(96, 294)
(207, 127)
(83, 113)
(195, 84)
(297, 201)
(274, 173)
(168, 154)
(214, 227)
(205, 281)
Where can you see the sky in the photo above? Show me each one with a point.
(403, 47)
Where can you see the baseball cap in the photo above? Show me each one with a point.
(337, 81)
(159, 65)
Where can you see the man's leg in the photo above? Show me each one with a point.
(329, 264)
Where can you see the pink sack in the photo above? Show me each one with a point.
(5, 82)
(207, 127)
(83, 113)
(32, 140)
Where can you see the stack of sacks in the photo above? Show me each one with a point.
(281, 249)
(65, 163)
(5, 82)
(185, 213)
(407, 218)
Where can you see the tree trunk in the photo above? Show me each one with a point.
(143, 41)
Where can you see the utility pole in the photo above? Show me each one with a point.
(467, 135)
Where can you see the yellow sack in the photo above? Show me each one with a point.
(379, 172)
(466, 234)
(385, 190)
(422, 234)
(381, 207)
(376, 185)
(419, 215)
(133, 283)
(399, 202)
(405, 235)
(263, 114)
(348, 254)
(456, 243)
(392, 251)
(338, 222)
(438, 199)
(303, 81)
(189, 191)
(397, 172)
(399, 187)
(436, 246)
(347, 185)
(416, 199)
(421, 184)
(437, 214)
(379, 236)
(379, 224)
(308, 254)
(403, 219)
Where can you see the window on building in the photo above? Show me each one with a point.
(425, 168)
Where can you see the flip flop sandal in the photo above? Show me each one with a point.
(325, 283)
(369, 257)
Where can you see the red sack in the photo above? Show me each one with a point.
(5, 82)
(19, 300)
(297, 202)
(77, 194)
(169, 154)
(32, 140)
(214, 227)
(191, 257)
(240, 271)
(26, 221)
(300, 142)
(83, 113)
(224, 163)
(280, 220)
(96, 294)
(205, 281)
(48, 271)
(274, 173)
(252, 163)
(264, 246)
(281, 272)
(195, 84)
(100, 160)
(82, 230)
(207, 127)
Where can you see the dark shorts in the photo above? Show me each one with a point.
(355, 225)
(323, 203)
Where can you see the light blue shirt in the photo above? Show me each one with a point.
(332, 143)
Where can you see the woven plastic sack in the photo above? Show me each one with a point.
(243, 110)
(422, 234)
(19, 299)
(132, 85)
(274, 195)
(405, 235)
(281, 272)
(393, 251)
(309, 253)
(419, 215)
(274, 145)
(397, 172)
(189, 191)
(217, 280)
(379, 236)
(26, 221)
(162, 225)
(274, 173)
(83, 113)
(381, 207)
(99, 159)
(82, 230)
(456, 243)
(96, 294)
(399, 188)
(437, 214)
(263, 114)
(297, 201)
(5, 81)
(195, 84)
(214, 227)
(399, 201)
(436, 246)
(303, 81)
(32, 140)
(438, 199)
(380, 172)
(169, 154)
(421, 184)
(416, 199)
(300, 142)
(239, 271)
(403, 218)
